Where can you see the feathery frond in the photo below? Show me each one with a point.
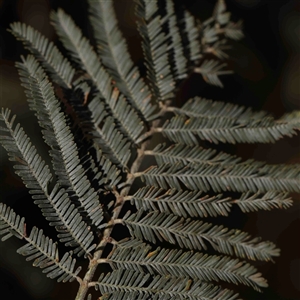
(155, 48)
(112, 48)
(223, 164)
(56, 206)
(176, 46)
(238, 178)
(191, 234)
(45, 254)
(204, 108)
(131, 283)
(110, 140)
(84, 55)
(58, 67)
(59, 137)
(192, 28)
(293, 117)
(270, 200)
(211, 70)
(195, 204)
(29, 166)
(100, 164)
(220, 25)
(196, 155)
(39, 247)
(98, 116)
(177, 263)
(11, 224)
(209, 37)
(181, 203)
(129, 243)
(211, 294)
(186, 130)
(62, 214)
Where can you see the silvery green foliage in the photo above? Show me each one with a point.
(98, 138)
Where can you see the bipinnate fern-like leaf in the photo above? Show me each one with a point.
(194, 234)
(55, 205)
(38, 247)
(197, 266)
(97, 116)
(58, 136)
(112, 48)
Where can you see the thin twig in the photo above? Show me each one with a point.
(94, 262)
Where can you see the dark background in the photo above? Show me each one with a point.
(266, 65)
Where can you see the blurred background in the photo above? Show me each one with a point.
(267, 76)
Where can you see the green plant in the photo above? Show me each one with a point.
(99, 134)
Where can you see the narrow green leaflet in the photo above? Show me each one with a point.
(178, 263)
(45, 255)
(58, 67)
(110, 140)
(270, 200)
(55, 205)
(209, 38)
(192, 28)
(155, 47)
(218, 29)
(204, 108)
(211, 295)
(211, 70)
(214, 164)
(176, 47)
(293, 117)
(218, 178)
(113, 50)
(181, 203)
(186, 130)
(102, 168)
(84, 55)
(38, 247)
(57, 134)
(11, 224)
(195, 204)
(158, 287)
(194, 154)
(189, 234)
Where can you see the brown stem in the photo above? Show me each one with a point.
(94, 262)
